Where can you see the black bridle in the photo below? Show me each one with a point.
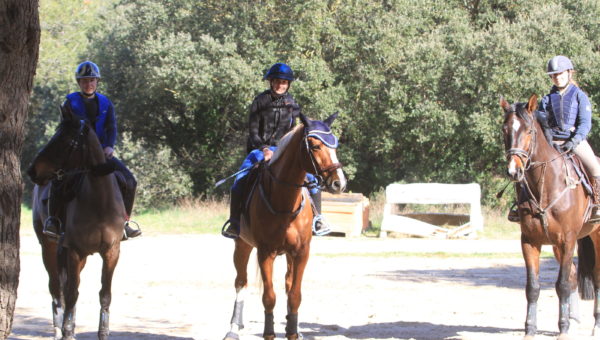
(318, 172)
(522, 154)
(75, 145)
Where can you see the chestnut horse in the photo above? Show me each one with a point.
(93, 221)
(279, 218)
(553, 208)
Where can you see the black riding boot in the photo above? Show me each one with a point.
(53, 225)
(319, 226)
(128, 193)
(595, 215)
(231, 228)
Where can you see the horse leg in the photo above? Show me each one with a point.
(594, 247)
(531, 255)
(289, 274)
(50, 257)
(265, 262)
(564, 255)
(75, 264)
(573, 296)
(295, 292)
(109, 263)
(241, 256)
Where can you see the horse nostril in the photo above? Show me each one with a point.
(335, 185)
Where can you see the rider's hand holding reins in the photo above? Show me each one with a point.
(267, 153)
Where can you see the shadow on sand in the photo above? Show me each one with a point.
(32, 327)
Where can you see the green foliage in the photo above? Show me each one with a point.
(416, 82)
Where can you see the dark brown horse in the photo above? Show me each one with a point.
(279, 218)
(93, 222)
(553, 208)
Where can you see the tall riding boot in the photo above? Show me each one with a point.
(595, 215)
(53, 225)
(231, 228)
(319, 226)
(128, 186)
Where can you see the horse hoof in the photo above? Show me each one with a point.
(269, 337)
(295, 337)
(231, 336)
(563, 336)
(528, 337)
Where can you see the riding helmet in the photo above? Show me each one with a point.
(559, 64)
(280, 71)
(87, 69)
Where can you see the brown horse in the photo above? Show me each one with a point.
(93, 221)
(279, 218)
(553, 208)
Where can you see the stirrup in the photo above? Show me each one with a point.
(46, 231)
(323, 230)
(229, 230)
(135, 232)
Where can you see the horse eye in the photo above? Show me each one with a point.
(315, 147)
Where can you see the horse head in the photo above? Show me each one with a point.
(520, 135)
(321, 145)
(65, 150)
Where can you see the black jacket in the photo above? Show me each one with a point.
(270, 119)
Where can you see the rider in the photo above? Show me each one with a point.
(567, 111)
(98, 110)
(272, 114)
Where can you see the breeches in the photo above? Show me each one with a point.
(585, 152)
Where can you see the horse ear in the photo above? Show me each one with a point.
(304, 119)
(532, 104)
(504, 104)
(330, 119)
(66, 112)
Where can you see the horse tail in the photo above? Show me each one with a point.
(586, 262)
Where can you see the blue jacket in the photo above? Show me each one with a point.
(569, 115)
(106, 122)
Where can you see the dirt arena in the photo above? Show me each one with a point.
(179, 287)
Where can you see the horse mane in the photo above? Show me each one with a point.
(283, 143)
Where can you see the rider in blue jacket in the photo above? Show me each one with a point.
(99, 111)
(568, 114)
(272, 114)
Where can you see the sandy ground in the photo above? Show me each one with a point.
(181, 287)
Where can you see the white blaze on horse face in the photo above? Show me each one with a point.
(339, 171)
(512, 167)
(516, 125)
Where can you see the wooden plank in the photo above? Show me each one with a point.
(406, 225)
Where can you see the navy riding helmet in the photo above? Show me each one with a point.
(87, 69)
(280, 71)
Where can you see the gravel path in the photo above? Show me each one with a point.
(180, 287)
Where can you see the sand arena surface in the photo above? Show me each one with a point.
(180, 287)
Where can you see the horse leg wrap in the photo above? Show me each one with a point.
(236, 318)
(269, 326)
(103, 330)
(291, 328)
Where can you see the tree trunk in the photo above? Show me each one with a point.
(19, 43)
